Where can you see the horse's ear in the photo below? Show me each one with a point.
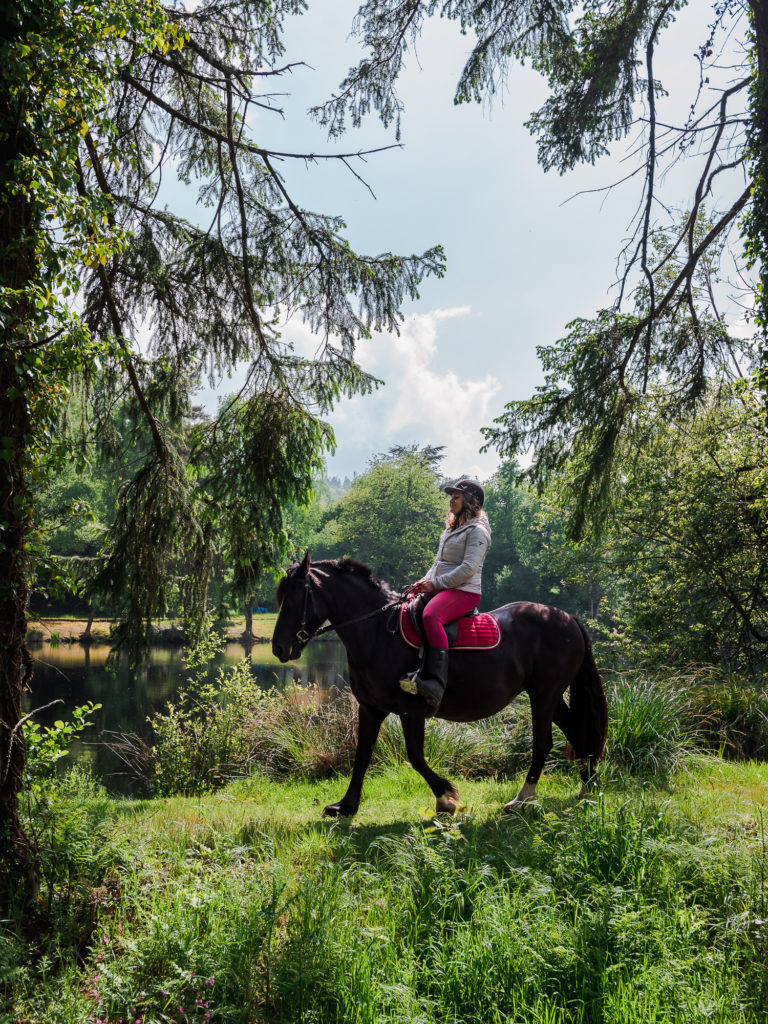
(303, 569)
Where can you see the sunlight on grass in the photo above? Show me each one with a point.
(643, 903)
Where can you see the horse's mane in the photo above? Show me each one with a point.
(351, 567)
(344, 566)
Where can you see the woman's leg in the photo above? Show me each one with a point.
(446, 606)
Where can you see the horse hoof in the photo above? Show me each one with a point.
(338, 811)
(448, 802)
(518, 805)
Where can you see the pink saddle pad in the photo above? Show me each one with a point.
(476, 632)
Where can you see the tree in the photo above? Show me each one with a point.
(98, 104)
(529, 557)
(392, 516)
(599, 61)
(593, 400)
(687, 544)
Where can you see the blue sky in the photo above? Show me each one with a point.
(522, 259)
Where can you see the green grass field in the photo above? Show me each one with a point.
(65, 627)
(648, 903)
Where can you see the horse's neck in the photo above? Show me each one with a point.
(353, 597)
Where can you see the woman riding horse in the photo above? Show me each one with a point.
(541, 650)
(453, 584)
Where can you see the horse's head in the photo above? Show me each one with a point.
(298, 616)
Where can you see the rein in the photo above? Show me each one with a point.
(304, 637)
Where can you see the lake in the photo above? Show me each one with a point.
(76, 674)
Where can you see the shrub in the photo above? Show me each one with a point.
(68, 819)
(652, 723)
(200, 742)
(304, 732)
(733, 713)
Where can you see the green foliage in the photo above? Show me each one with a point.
(47, 744)
(65, 817)
(200, 741)
(530, 558)
(392, 516)
(626, 908)
(650, 728)
(687, 539)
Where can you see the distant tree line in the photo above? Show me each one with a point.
(679, 573)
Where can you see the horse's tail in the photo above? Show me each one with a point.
(588, 706)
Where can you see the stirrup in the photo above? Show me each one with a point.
(408, 683)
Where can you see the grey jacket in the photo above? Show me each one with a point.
(460, 557)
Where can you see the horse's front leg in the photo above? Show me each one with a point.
(369, 722)
(446, 793)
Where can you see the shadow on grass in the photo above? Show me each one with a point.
(509, 837)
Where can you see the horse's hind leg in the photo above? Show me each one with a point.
(542, 744)
(447, 796)
(369, 722)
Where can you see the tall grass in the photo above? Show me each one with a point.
(302, 733)
(216, 732)
(733, 715)
(652, 727)
(616, 911)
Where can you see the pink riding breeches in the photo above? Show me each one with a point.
(446, 606)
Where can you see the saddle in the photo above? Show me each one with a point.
(474, 631)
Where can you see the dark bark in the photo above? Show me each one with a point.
(19, 876)
(759, 147)
(18, 872)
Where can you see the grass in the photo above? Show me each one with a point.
(646, 904)
(241, 906)
(73, 628)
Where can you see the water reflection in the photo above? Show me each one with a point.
(75, 674)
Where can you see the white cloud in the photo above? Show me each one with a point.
(424, 400)
(442, 406)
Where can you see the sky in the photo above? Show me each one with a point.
(525, 253)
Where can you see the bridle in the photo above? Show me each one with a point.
(304, 636)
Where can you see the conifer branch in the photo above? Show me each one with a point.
(217, 136)
(160, 446)
(232, 146)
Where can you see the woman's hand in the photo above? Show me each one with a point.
(423, 587)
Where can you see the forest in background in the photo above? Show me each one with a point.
(679, 575)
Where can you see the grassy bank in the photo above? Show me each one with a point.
(69, 630)
(647, 904)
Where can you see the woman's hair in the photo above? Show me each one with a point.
(470, 509)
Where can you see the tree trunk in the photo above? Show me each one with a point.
(19, 873)
(86, 637)
(248, 604)
(758, 220)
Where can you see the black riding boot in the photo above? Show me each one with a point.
(432, 681)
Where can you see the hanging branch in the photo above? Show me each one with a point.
(117, 328)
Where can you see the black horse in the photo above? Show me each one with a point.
(543, 651)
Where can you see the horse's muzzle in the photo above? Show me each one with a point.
(283, 652)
